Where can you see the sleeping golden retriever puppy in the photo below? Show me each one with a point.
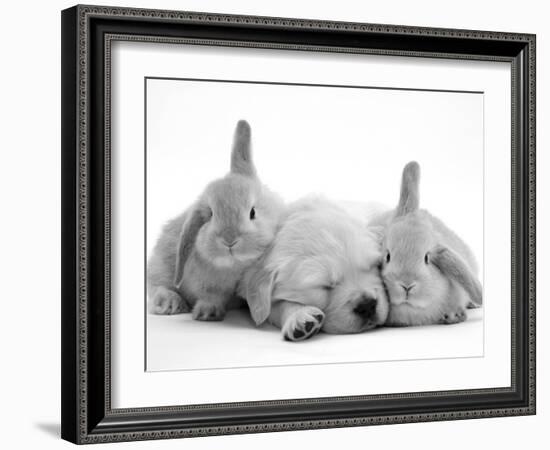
(321, 273)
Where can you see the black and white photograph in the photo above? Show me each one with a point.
(294, 224)
(275, 224)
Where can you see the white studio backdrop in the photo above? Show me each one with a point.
(347, 143)
(31, 190)
(132, 62)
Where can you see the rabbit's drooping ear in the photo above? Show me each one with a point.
(198, 216)
(241, 155)
(259, 287)
(452, 266)
(409, 198)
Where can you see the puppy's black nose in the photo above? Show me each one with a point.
(366, 308)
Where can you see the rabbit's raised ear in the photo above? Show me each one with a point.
(197, 217)
(259, 288)
(241, 155)
(452, 266)
(409, 198)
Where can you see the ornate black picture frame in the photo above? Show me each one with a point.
(87, 34)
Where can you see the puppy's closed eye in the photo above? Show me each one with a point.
(330, 286)
(377, 264)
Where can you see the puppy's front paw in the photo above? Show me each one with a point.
(166, 302)
(303, 324)
(208, 311)
(453, 317)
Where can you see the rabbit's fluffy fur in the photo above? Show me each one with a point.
(201, 255)
(321, 272)
(311, 265)
(428, 270)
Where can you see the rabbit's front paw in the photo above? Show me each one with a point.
(208, 311)
(166, 301)
(453, 317)
(303, 324)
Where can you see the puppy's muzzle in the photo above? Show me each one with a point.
(366, 308)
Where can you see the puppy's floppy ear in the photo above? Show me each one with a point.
(452, 265)
(409, 198)
(259, 287)
(197, 217)
(241, 155)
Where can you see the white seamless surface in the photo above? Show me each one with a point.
(132, 387)
(344, 142)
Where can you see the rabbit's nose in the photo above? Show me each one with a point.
(229, 244)
(366, 308)
(408, 287)
(229, 237)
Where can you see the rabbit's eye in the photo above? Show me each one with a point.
(427, 258)
(252, 213)
(388, 257)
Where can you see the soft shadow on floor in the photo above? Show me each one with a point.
(53, 429)
(237, 342)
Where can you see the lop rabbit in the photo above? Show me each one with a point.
(428, 270)
(201, 254)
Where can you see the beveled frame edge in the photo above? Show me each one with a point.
(75, 206)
